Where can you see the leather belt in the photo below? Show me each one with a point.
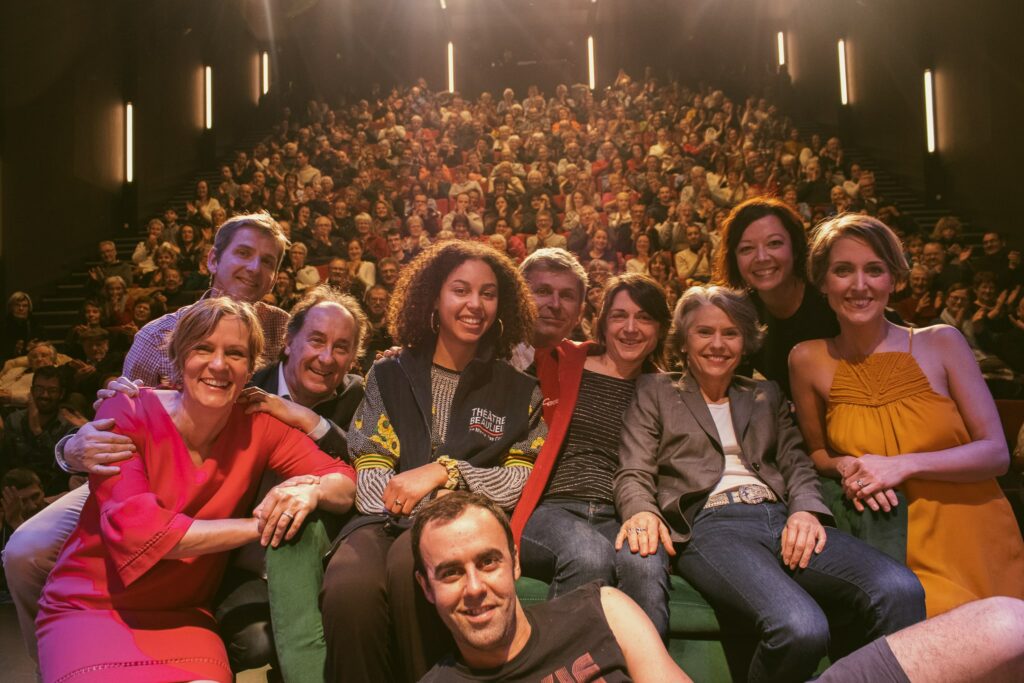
(750, 494)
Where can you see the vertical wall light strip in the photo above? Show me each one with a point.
(129, 143)
(780, 38)
(451, 67)
(844, 93)
(590, 62)
(443, 5)
(265, 71)
(208, 95)
(929, 109)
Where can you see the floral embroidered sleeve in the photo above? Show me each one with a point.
(373, 448)
(504, 484)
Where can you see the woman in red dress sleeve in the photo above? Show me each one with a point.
(129, 599)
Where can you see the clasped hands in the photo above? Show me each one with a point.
(870, 480)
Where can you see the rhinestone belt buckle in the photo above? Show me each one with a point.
(752, 495)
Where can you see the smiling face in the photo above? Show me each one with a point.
(470, 578)
(713, 345)
(467, 305)
(216, 369)
(858, 283)
(320, 353)
(764, 254)
(631, 334)
(246, 270)
(557, 297)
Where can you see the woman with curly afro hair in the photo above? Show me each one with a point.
(447, 412)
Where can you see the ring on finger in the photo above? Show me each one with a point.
(287, 514)
(860, 483)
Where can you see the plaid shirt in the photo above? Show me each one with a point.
(147, 360)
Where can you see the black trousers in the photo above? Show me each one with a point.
(378, 625)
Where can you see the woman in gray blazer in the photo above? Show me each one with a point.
(714, 469)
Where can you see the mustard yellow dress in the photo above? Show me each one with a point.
(963, 541)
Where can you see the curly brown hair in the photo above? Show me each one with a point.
(413, 300)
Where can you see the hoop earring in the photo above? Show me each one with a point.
(501, 329)
(435, 322)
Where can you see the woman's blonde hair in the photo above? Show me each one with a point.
(873, 232)
(201, 320)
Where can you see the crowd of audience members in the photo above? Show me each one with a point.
(636, 178)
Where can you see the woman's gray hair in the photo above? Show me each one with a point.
(733, 302)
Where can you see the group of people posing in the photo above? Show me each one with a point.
(247, 431)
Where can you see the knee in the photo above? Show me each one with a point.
(251, 646)
(803, 630)
(1004, 617)
(900, 598)
(345, 585)
(25, 558)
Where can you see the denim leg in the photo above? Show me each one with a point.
(560, 545)
(866, 593)
(645, 579)
(733, 560)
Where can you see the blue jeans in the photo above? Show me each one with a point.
(572, 542)
(734, 560)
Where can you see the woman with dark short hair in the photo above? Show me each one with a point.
(447, 412)
(567, 517)
(764, 251)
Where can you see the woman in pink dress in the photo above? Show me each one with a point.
(129, 599)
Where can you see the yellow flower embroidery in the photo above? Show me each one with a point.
(386, 436)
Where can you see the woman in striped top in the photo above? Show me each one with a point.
(569, 539)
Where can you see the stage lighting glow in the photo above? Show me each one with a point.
(129, 143)
(590, 62)
(844, 93)
(208, 90)
(444, 5)
(451, 67)
(780, 38)
(929, 109)
(265, 71)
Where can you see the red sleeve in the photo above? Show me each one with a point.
(293, 453)
(137, 530)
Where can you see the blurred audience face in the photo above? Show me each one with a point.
(41, 355)
(46, 393)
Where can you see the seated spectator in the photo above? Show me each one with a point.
(995, 259)
(374, 246)
(949, 232)
(944, 273)
(142, 257)
(190, 248)
(514, 245)
(322, 247)
(639, 262)
(18, 326)
(600, 248)
(175, 292)
(920, 306)
(109, 266)
(90, 314)
(693, 264)
(199, 209)
(283, 295)
(99, 363)
(597, 629)
(114, 302)
(388, 270)
(375, 303)
(340, 278)
(30, 434)
(16, 376)
(461, 208)
(545, 235)
(358, 269)
(23, 497)
(165, 256)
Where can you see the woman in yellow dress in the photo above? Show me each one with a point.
(879, 390)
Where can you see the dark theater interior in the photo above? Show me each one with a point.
(306, 301)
